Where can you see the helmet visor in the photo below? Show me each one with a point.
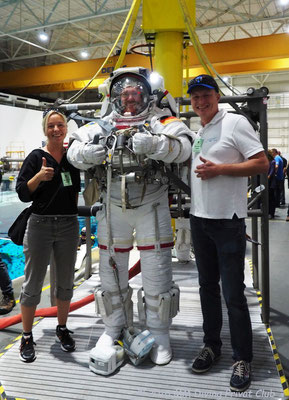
(129, 95)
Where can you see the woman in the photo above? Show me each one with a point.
(52, 184)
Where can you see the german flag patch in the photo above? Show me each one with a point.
(168, 120)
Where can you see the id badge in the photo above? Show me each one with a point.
(66, 178)
(197, 146)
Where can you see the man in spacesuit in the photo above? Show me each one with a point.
(125, 149)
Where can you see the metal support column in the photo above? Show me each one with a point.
(88, 263)
(265, 279)
(255, 249)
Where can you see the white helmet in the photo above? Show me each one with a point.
(130, 93)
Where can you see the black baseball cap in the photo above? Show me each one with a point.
(205, 81)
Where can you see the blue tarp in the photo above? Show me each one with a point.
(13, 256)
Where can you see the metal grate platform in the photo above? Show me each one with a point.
(56, 375)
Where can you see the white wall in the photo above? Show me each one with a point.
(21, 130)
(278, 105)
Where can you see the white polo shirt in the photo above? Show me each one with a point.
(228, 138)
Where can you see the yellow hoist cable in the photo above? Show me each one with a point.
(207, 65)
(128, 34)
(134, 6)
(186, 58)
(193, 36)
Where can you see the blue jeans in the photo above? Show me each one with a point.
(219, 246)
(5, 281)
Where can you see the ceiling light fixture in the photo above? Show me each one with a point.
(43, 36)
(84, 54)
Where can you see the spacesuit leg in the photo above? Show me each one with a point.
(116, 320)
(183, 240)
(157, 279)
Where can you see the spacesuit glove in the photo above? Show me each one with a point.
(143, 143)
(93, 153)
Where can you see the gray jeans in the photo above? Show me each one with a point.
(46, 235)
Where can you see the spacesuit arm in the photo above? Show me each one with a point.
(83, 153)
(172, 149)
(164, 147)
(174, 141)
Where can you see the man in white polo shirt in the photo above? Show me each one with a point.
(225, 153)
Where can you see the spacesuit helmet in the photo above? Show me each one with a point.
(130, 94)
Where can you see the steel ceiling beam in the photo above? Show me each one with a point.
(39, 47)
(242, 15)
(64, 22)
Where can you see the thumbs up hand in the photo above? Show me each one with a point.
(144, 143)
(46, 173)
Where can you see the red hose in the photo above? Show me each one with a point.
(52, 311)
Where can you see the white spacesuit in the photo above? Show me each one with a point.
(134, 192)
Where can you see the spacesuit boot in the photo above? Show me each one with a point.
(161, 353)
(105, 340)
(106, 356)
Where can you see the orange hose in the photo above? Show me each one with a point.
(45, 312)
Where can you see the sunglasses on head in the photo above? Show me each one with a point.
(45, 112)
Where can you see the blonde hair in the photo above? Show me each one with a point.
(48, 115)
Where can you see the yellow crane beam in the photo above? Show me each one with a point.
(235, 57)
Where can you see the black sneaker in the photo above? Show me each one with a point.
(241, 376)
(63, 335)
(204, 361)
(7, 303)
(27, 351)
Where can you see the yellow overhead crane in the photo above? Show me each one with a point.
(165, 21)
(234, 57)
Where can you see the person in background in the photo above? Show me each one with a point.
(271, 185)
(82, 238)
(279, 175)
(48, 180)
(287, 173)
(1, 173)
(282, 185)
(225, 153)
(8, 301)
